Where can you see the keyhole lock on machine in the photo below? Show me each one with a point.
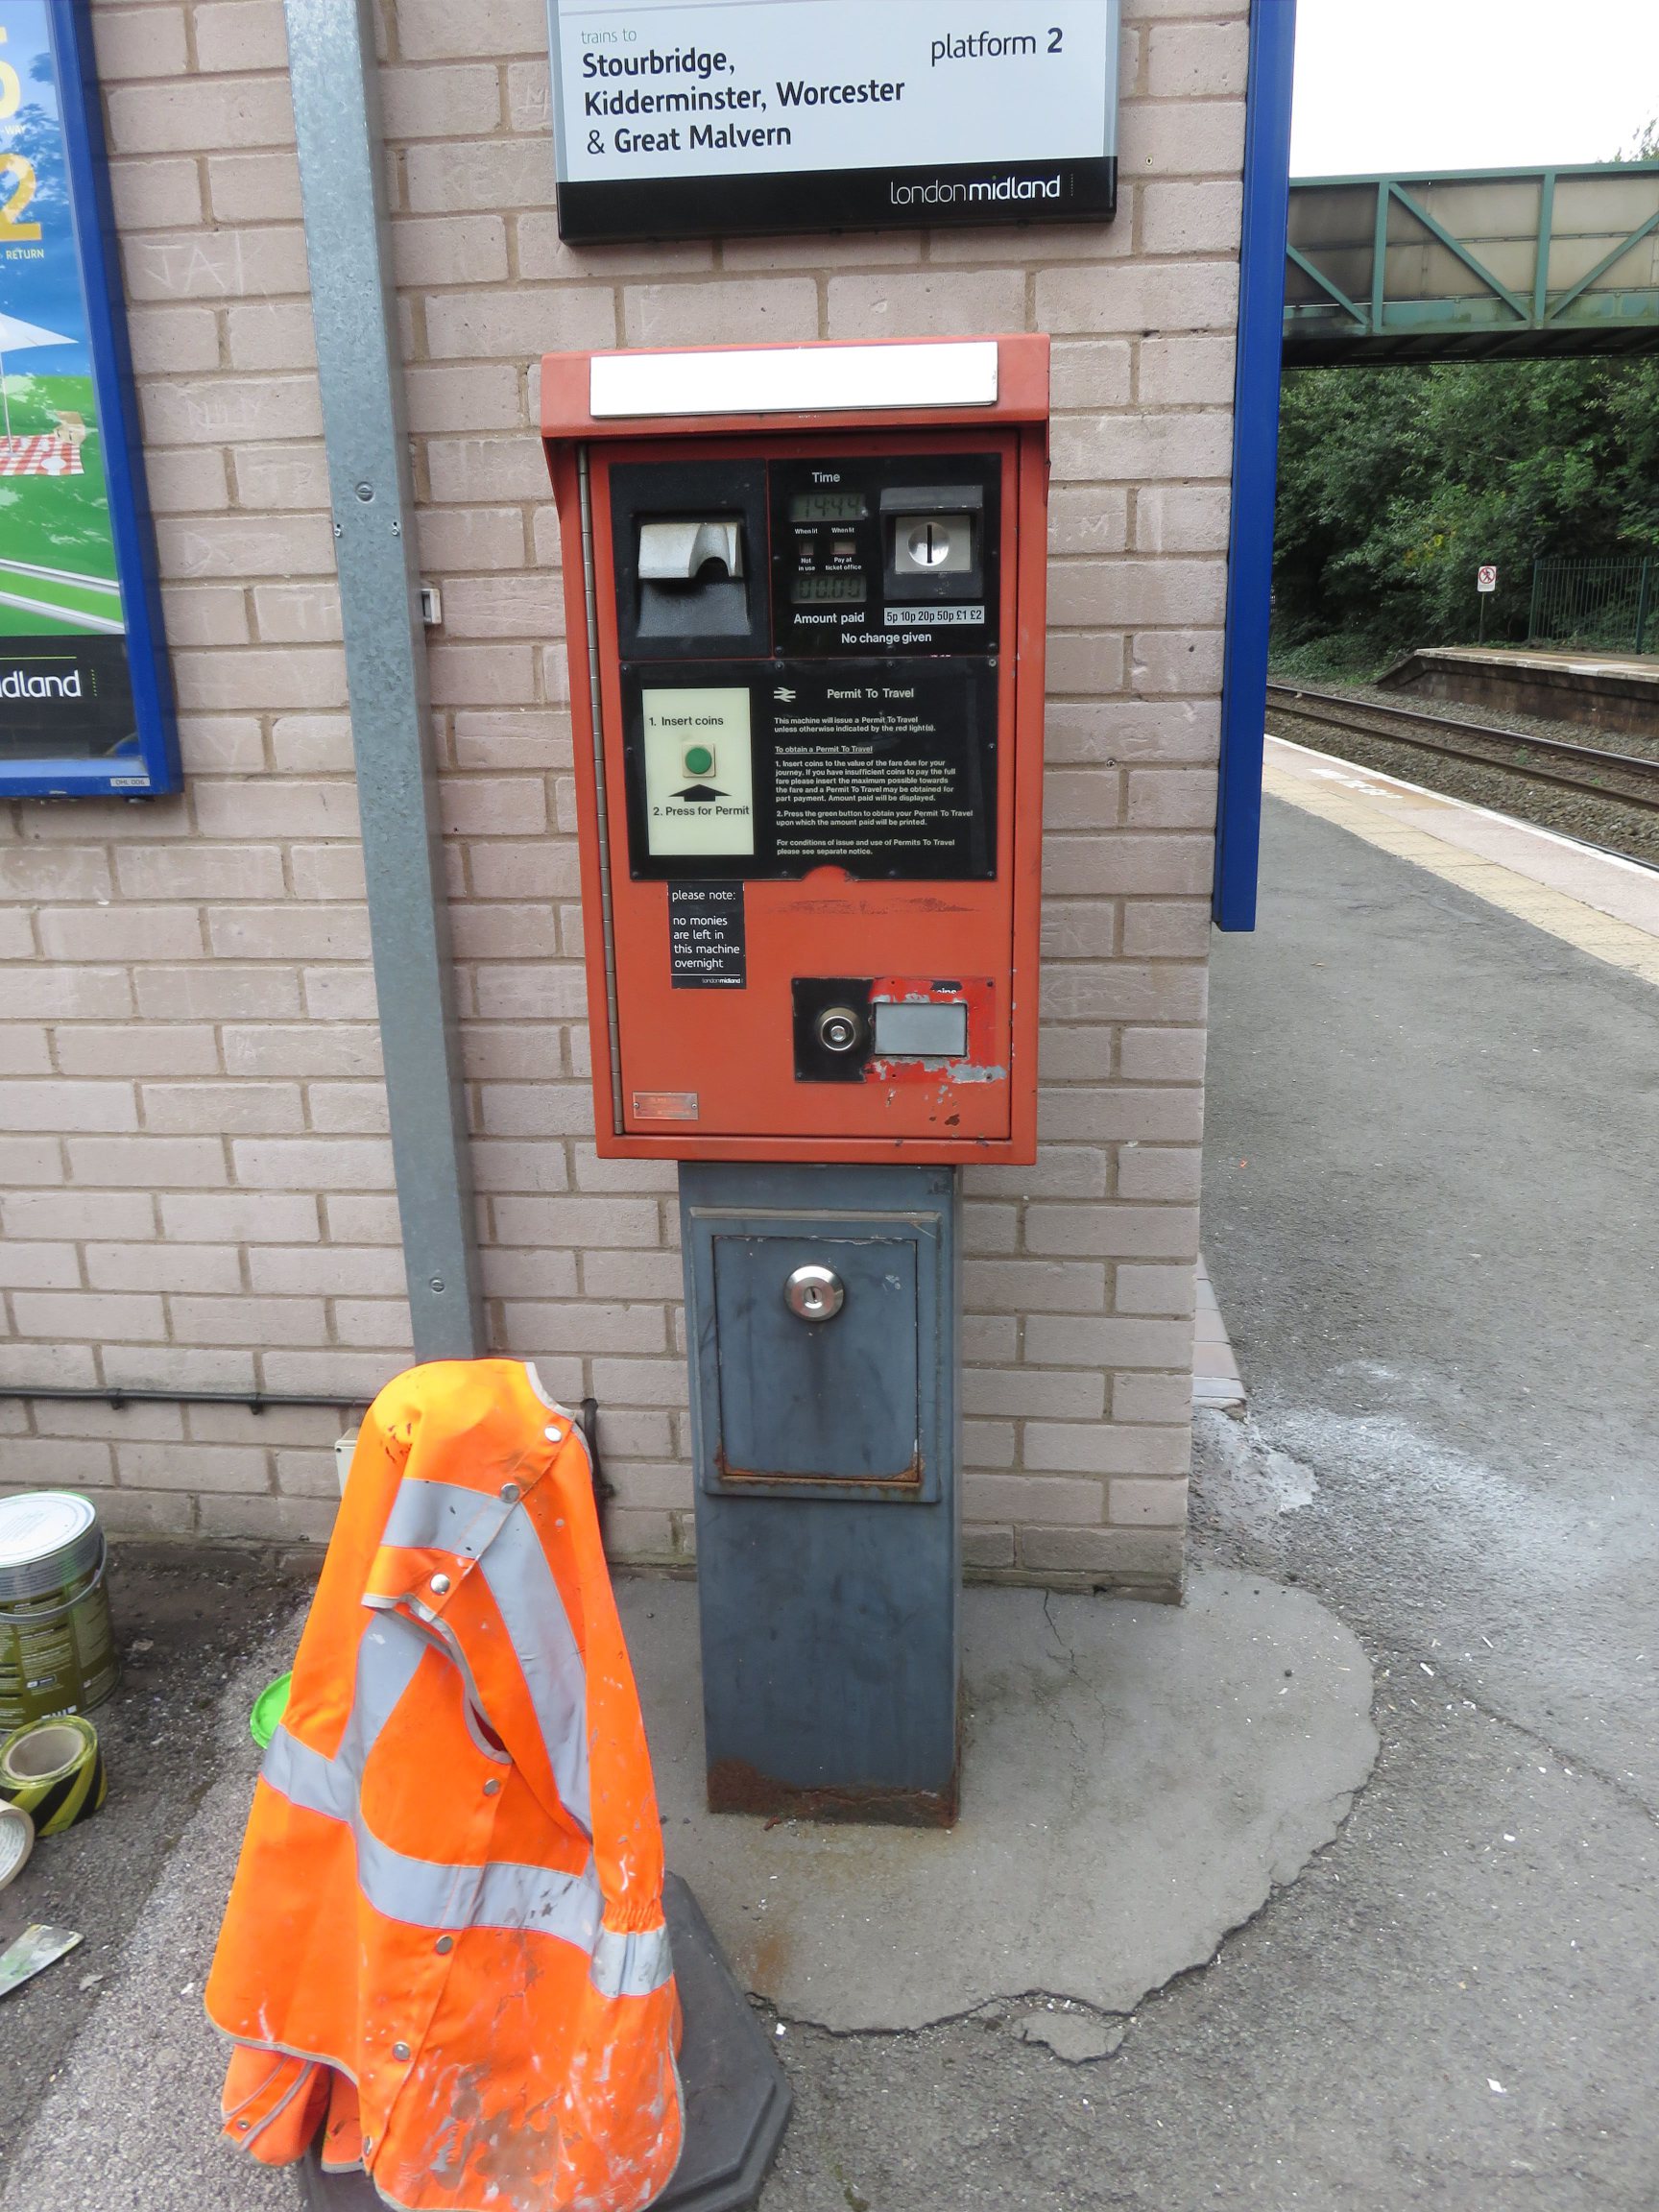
(841, 1030)
(814, 1293)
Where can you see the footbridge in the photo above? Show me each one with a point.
(1473, 264)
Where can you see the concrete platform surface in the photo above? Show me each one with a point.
(1593, 900)
(1643, 666)
(1135, 1779)
(1434, 1174)
(184, 1628)
(129, 2121)
(1578, 876)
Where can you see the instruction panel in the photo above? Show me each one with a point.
(884, 773)
(878, 768)
(697, 770)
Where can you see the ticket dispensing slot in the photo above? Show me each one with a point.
(929, 1029)
(689, 537)
(691, 577)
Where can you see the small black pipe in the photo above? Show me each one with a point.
(255, 1400)
(603, 1491)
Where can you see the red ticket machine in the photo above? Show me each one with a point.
(805, 588)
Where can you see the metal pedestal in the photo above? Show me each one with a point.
(821, 1307)
(737, 2098)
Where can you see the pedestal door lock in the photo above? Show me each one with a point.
(814, 1293)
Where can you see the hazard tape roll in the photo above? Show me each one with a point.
(16, 1841)
(55, 1770)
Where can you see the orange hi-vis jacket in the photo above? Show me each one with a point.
(445, 1942)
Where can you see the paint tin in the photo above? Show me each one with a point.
(57, 1653)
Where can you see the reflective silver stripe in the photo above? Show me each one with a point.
(444, 1517)
(630, 1966)
(516, 1571)
(540, 1900)
(229, 2112)
(521, 1583)
(303, 2078)
(422, 1893)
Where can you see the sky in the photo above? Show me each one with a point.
(1384, 86)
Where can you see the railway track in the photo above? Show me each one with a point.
(1624, 778)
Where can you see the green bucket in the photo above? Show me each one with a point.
(269, 1708)
(57, 1653)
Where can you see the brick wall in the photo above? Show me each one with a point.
(197, 1182)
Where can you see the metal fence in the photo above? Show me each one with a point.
(1612, 604)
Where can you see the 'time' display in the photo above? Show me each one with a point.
(806, 674)
(826, 507)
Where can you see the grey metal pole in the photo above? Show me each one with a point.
(1641, 602)
(337, 123)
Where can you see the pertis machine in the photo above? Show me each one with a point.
(805, 592)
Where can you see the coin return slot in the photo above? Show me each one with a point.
(921, 1032)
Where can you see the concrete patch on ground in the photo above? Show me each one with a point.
(1136, 1780)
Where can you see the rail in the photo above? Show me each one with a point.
(1623, 777)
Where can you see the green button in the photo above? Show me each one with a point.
(698, 759)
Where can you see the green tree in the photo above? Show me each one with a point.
(1394, 484)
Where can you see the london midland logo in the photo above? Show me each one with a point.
(697, 760)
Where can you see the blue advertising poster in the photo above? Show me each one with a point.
(82, 707)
